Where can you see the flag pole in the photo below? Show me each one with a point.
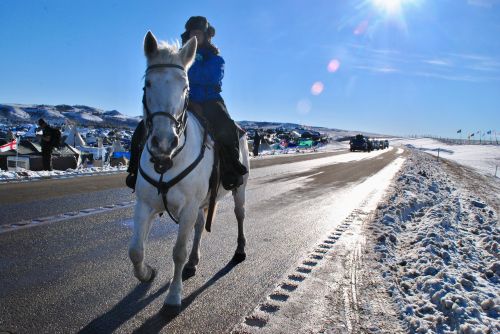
(17, 149)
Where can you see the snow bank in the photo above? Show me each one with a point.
(27, 175)
(483, 158)
(439, 247)
(335, 146)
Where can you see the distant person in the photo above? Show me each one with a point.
(10, 136)
(256, 143)
(46, 143)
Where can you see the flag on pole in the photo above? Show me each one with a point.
(472, 135)
(9, 146)
(459, 131)
(489, 132)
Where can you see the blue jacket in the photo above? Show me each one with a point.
(205, 76)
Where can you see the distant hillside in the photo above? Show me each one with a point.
(81, 115)
(59, 114)
(335, 133)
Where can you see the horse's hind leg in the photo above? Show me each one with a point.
(194, 257)
(239, 211)
(143, 218)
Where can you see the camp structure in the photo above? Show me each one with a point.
(29, 156)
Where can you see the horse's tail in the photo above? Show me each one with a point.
(210, 216)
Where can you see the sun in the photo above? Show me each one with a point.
(390, 7)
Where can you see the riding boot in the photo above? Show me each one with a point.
(232, 169)
(225, 133)
(136, 146)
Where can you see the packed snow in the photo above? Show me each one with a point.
(439, 243)
(22, 174)
(483, 158)
(26, 175)
(265, 151)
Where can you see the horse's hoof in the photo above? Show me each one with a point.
(239, 257)
(170, 310)
(151, 276)
(188, 272)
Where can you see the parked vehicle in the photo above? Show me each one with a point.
(370, 145)
(376, 145)
(381, 144)
(386, 143)
(359, 143)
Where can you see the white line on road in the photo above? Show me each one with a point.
(64, 216)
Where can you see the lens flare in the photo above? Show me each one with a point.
(333, 65)
(361, 28)
(317, 88)
(304, 106)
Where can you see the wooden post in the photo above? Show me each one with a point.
(439, 149)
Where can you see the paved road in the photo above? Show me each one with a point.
(73, 274)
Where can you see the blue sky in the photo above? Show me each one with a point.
(396, 66)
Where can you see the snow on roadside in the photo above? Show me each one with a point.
(483, 158)
(438, 244)
(334, 146)
(28, 175)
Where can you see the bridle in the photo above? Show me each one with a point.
(162, 165)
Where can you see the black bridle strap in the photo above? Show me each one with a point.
(152, 67)
(164, 187)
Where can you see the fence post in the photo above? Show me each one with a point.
(496, 169)
(438, 153)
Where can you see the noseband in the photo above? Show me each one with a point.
(162, 165)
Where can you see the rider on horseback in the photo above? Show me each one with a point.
(205, 81)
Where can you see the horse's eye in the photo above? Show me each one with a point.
(148, 83)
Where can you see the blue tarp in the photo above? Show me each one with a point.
(121, 154)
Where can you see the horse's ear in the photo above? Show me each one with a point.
(150, 44)
(188, 52)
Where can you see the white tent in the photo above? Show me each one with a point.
(73, 137)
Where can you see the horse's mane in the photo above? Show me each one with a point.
(167, 52)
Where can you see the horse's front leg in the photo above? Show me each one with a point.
(143, 218)
(194, 258)
(186, 221)
(239, 211)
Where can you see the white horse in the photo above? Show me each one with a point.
(176, 140)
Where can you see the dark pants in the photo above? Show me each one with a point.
(225, 133)
(136, 146)
(256, 149)
(47, 158)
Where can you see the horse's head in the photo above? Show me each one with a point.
(166, 89)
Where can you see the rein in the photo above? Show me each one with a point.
(160, 166)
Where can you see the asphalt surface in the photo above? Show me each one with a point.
(74, 275)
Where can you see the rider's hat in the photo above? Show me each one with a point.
(198, 23)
